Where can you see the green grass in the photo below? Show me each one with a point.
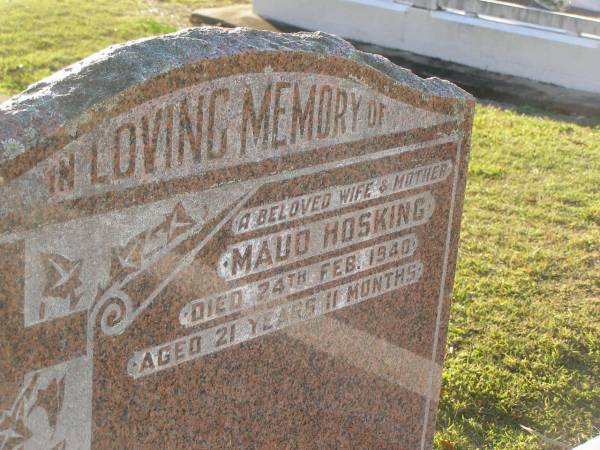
(206, 3)
(38, 37)
(524, 342)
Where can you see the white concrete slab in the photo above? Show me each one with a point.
(500, 46)
(590, 5)
(592, 444)
(231, 16)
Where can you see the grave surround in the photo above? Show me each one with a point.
(228, 239)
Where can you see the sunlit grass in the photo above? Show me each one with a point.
(524, 342)
(38, 37)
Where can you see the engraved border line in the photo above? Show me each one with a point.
(441, 295)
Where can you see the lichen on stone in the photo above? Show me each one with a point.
(10, 148)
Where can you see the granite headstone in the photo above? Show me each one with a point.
(228, 239)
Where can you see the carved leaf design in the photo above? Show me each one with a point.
(13, 431)
(63, 278)
(135, 256)
(51, 400)
(17, 435)
(131, 257)
(175, 224)
(178, 222)
(127, 259)
(59, 446)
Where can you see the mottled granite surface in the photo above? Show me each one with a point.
(228, 238)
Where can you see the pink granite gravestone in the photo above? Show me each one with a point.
(228, 239)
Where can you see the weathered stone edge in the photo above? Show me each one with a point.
(63, 97)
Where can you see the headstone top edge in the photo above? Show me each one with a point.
(55, 101)
(227, 42)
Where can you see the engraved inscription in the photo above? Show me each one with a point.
(279, 300)
(337, 197)
(213, 339)
(293, 281)
(276, 249)
(222, 123)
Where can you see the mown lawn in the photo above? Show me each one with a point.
(38, 37)
(524, 344)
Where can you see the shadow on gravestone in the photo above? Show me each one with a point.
(228, 238)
